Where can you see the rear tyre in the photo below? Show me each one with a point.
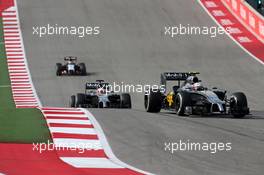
(182, 100)
(73, 101)
(153, 102)
(125, 101)
(58, 69)
(238, 105)
(80, 101)
(82, 68)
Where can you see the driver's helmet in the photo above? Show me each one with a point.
(100, 91)
(197, 86)
(192, 79)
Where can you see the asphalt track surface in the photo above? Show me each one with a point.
(131, 48)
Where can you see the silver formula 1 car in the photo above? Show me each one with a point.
(97, 95)
(190, 97)
(70, 67)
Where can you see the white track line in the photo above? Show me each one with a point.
(65, 115)
(90, 162)
(71, 130)
(67, 121)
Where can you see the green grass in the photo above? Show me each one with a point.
(17, 125)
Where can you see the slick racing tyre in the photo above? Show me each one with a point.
(182, 100)
(58, 69)
(73, 101)
(82, 68)
(153, 102)
(238, 105)
(80, 101)
(125, 101)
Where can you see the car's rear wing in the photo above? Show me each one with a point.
(90, 86)
(70, 58)
(96, 85)
(176, 76)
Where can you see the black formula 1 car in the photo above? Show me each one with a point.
(190, 97)
(70, 67)
(97, 95)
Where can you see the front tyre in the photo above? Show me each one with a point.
(73, 101)
(125, 101)
(182, 100)
(82, 69)
(153, 102)
(239, 105)
(80, 101)
(58, 69)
